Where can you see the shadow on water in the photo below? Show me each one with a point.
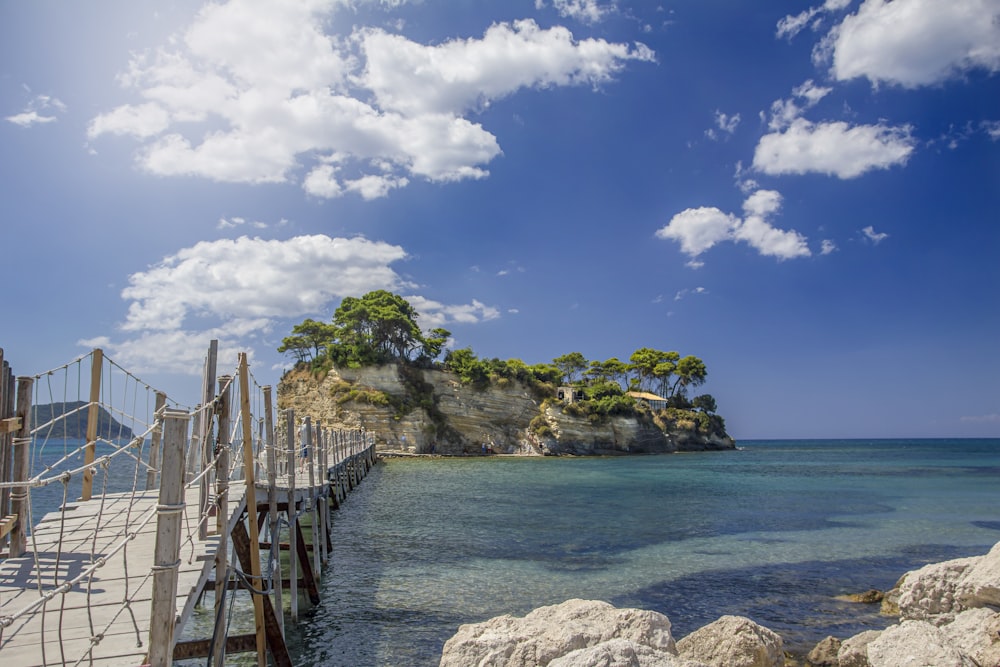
(798, 601)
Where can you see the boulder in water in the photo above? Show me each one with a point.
(551, 632)
(733, 641)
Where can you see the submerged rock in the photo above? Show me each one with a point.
(871, 596)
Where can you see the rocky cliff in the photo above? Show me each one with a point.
(429, 411)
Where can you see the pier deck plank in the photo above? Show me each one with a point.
(61, 631)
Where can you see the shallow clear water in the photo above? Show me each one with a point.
(774, 532)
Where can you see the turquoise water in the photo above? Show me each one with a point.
(774, 532)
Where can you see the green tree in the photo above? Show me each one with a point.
(309, 339)
(691, 372)
(378, 327)
(434, 342)
(705, 403)
(571, 365)
(468, 368)
(652, 369)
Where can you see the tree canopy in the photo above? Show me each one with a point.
(380, 327)
(375, 328)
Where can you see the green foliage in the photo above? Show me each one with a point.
(705, 403)
(540, 427)
(469, 369)
(376, 328)
(308, 340)
(571, 366)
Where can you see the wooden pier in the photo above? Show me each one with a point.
(114, 578)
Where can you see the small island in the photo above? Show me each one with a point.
(373, 368)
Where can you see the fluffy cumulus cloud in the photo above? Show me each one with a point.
(699, 229)
(796, 145)
(914, 43)
(259, 91)
(238, 290)
(833, 148)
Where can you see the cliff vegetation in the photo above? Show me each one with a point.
(373, 368)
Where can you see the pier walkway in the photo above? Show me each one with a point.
(139, 527)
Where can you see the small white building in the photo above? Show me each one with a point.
(569, 394)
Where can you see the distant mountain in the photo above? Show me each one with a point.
(75, 425)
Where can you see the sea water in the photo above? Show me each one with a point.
(774, 531)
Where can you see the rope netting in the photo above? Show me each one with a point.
(94, 459)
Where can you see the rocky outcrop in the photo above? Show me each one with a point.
(825, 653)
(424, 411)
(733, 641)
(916, 643)
(589, 633)
(949, 616)
(556, 631)
(586, 633)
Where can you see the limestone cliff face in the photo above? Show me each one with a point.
(429, 411)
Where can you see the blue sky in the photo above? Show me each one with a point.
(805, 195)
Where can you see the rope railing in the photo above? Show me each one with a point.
(94, 496)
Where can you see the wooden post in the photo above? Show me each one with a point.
(272, 509)
(20, 445)
(313, 445)
(156, 437)
(293, 570)
(221, 456)
(204, 447)
(324, 505)
(248, 467)
(166, 558)
(6, 411)
(93, 414)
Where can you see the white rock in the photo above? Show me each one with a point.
(551, 632)
(733, 641)
(981, 584)
(622, 653)
(915, 644)
(930, 593)
(976, 633)
(854, 651)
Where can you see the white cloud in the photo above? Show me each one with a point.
(699, 229)
(793, 25)
(873, 236)
(587, 11)
(434, 314)
(833, 148)
(237, 291)
(992, 128)
(31, 116)
(248, 278)
(785, 112)
(464, 74)
(725, 123)
(261, 92)
(915, 43)
(827, 247)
